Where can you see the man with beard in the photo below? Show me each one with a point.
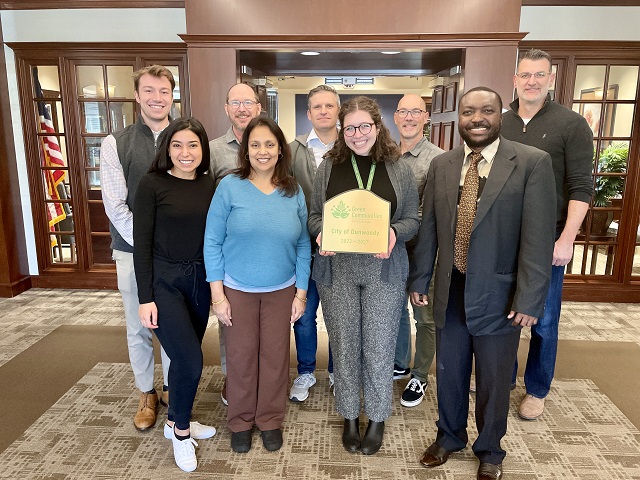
(418, 152)
(494, 265)
(241, 107)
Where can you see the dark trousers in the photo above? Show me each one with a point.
(182, 296)
(494, 357)
(258, 358)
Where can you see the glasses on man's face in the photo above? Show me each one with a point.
(537, 75)
(415, 113)
(350, 131)
(235, 104)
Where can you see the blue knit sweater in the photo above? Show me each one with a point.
(258, 240)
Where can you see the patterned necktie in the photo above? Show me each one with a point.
(466, 213)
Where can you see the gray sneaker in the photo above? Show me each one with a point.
(300, 388)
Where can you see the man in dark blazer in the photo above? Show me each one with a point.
(481, 304)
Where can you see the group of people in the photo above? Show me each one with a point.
(233, 227)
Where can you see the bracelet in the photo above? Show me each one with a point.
(219, 302)
(303, 300)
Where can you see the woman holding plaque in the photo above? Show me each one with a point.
(362, 294)
(257, 255)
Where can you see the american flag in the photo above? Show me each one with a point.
(50, 156)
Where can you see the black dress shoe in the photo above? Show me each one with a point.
(372, 440)
(434, 456)
(489, 471)
(272, 439)
(241, 441)
(351, 435)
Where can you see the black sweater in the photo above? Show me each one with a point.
(169, 218)
(566, 136)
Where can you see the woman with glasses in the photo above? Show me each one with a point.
(257, 254)
(361, 294)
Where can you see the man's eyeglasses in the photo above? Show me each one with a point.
(415, 113)
(235, 104)
(537, 75)
(350, 131)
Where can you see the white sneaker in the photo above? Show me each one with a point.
(184, 452)
(198, 431)
(300, 388)
(332, 384)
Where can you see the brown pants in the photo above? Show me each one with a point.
(258, 358)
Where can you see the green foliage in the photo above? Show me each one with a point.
(613, 159)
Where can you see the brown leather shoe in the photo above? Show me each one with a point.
(164, 398)
(489, 471)
(147, 412)
(434, 456)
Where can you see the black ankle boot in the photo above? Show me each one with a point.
(372, 440)
(351, 435)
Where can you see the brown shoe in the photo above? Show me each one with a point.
(147, 412)
(489, 471)
(434, 456)
(164, 398)
(531, 407)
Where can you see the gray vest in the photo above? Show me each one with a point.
(136, 151)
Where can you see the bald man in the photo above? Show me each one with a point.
(417, 151)
(241, 107)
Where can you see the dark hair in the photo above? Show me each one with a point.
(535, 54)
(482, 89)
(281, 178)
(383, 150)
(322, 88)
(158, 71)
(162, 163)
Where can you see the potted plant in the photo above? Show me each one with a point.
(608, 188)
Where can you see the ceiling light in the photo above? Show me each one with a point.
(309, 53)
(390, 53)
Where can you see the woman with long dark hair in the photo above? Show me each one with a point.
(362, 294)
(257, 253)
(169, 217)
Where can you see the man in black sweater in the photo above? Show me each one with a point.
(537, 121)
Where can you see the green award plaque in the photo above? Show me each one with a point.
(356, 221)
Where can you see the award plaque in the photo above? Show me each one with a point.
(356, 221)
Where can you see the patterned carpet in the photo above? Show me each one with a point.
(86, 433)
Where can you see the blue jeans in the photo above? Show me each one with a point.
(403, 343)
(543, 348)
(306, 333)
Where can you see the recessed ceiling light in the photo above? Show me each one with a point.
(309, 53)
(390, 53)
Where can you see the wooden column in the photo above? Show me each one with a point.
(14, 269)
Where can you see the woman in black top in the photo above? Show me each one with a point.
(362, 294)
(169, 217)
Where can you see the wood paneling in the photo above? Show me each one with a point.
(60, 4)
(580, 3)
(381, 17)
(14, 269)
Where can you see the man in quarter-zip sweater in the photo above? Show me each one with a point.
(537, 121)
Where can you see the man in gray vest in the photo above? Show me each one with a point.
(125, 157)
(241, 107)
(307, 152)
(417, 151)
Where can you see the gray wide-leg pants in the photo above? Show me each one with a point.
(360, 312)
